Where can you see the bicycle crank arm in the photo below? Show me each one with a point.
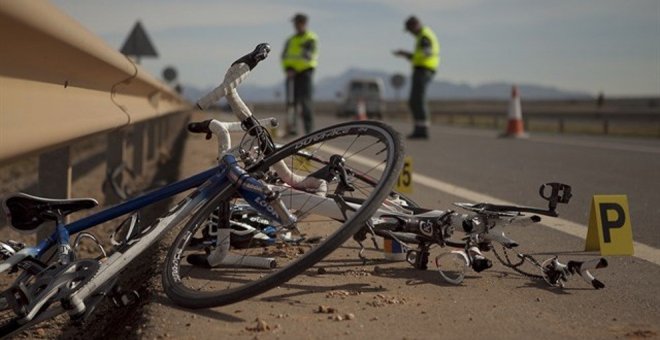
(41, 317)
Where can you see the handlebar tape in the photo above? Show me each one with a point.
(206, 126)
(248, 261)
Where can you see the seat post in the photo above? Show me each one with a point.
(55, 178)
(64, 250)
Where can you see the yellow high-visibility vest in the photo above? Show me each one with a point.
(419, 58)
(293, 57)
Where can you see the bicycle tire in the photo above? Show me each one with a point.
(191, 298)
(8, 327)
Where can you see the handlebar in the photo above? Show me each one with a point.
(555, 273)
(234, 76)
(222, 129)
(208, 125)
(583, 269)
(559, 193)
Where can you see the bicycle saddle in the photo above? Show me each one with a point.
(27, 212)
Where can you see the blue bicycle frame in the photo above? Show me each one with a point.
(209, 183)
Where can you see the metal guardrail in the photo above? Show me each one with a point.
(601, 122)
(60, 82)
(560, 116)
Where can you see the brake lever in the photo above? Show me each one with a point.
(253, 58)
(201, 127)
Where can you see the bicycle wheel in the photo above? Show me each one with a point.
(324, 222)
(8, 322)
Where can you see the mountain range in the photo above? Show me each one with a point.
(327, 88)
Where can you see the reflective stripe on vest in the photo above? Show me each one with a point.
(293, 57)
(419, 58)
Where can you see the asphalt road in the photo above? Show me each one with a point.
(513, 169)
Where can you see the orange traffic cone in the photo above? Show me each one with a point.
(361, 110)
(515, 127)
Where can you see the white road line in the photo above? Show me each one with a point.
(642, 251)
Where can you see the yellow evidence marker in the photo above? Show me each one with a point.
(302, 163)
(405, 182)
(273, 131)
(610, 230)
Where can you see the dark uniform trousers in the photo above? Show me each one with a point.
(420, 80)
(302, 97)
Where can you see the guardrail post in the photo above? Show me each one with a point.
(54, 179)
(114, 159)
(159, 136)
(561, 125)
(138, 149)
(173, 127)
(471, 119)
(151, 140)
(606, 126)
(165, 139)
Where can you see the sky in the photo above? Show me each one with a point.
(587, 45)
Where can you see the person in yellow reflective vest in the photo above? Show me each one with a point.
(425, 60)
(299, 59)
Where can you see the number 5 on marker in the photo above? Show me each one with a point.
(404, 183)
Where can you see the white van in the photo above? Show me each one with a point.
(368, 89)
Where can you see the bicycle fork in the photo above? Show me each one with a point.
(260, 197)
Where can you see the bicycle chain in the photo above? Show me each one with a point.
(513, 266)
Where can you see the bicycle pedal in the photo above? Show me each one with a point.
(93, 301)
(124, 299)
(418, 258)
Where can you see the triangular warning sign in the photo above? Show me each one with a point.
(138, 43)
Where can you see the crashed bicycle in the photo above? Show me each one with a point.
(53, 277)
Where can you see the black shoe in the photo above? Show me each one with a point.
(198, 260)
(418, 136)
(420, 132)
